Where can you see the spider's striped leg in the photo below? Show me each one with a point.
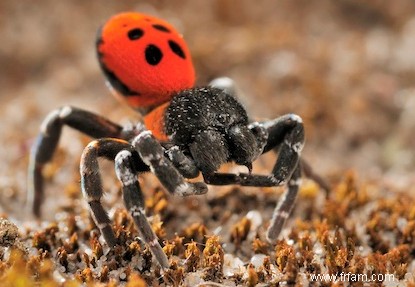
(285, 205)
(310, 173)
(243, 179)
(287, 134)
(152, 154)
(134, 202)
(46, 142)
(91, 182)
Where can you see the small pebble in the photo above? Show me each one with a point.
(257, 260)
(232, 265)
(256, 219)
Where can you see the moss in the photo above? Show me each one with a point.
(213, 259)
(192, 257)
(379, 240)
(252, 276)
(240, 230)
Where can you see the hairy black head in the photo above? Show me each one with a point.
(194, 110)
(212, 126)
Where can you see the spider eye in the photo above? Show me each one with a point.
(135, 34)
(153, 55)
(177, 49)
(161, 28)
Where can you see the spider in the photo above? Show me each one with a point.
(187, 130)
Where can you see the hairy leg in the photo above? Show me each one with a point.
(285, 135)
(285, 204)
(134, 202)
(46, 142)
(91, 182)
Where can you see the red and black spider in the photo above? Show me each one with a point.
(186, 130)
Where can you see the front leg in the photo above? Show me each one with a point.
(286, 135)
(283, 209)
(46, 142)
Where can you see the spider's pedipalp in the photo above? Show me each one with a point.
(209, 150)
(243, 145)
(190, 188)
(261, 134)
(184, 164)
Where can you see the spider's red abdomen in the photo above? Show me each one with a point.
(144, 58)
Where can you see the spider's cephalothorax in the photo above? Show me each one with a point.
(211, 126)
(186, 130)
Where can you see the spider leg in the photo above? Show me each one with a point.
(91, 182)
(310, 173)
(285, 205)
(134, 202)
(46, 142)
(153, 154)
(286, 134)
(276, 129)
(243, 179)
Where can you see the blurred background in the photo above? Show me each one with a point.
(347, 67)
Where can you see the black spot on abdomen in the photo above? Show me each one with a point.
(135, 34)
(153, 54)
(161, 28)
(177, 49)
